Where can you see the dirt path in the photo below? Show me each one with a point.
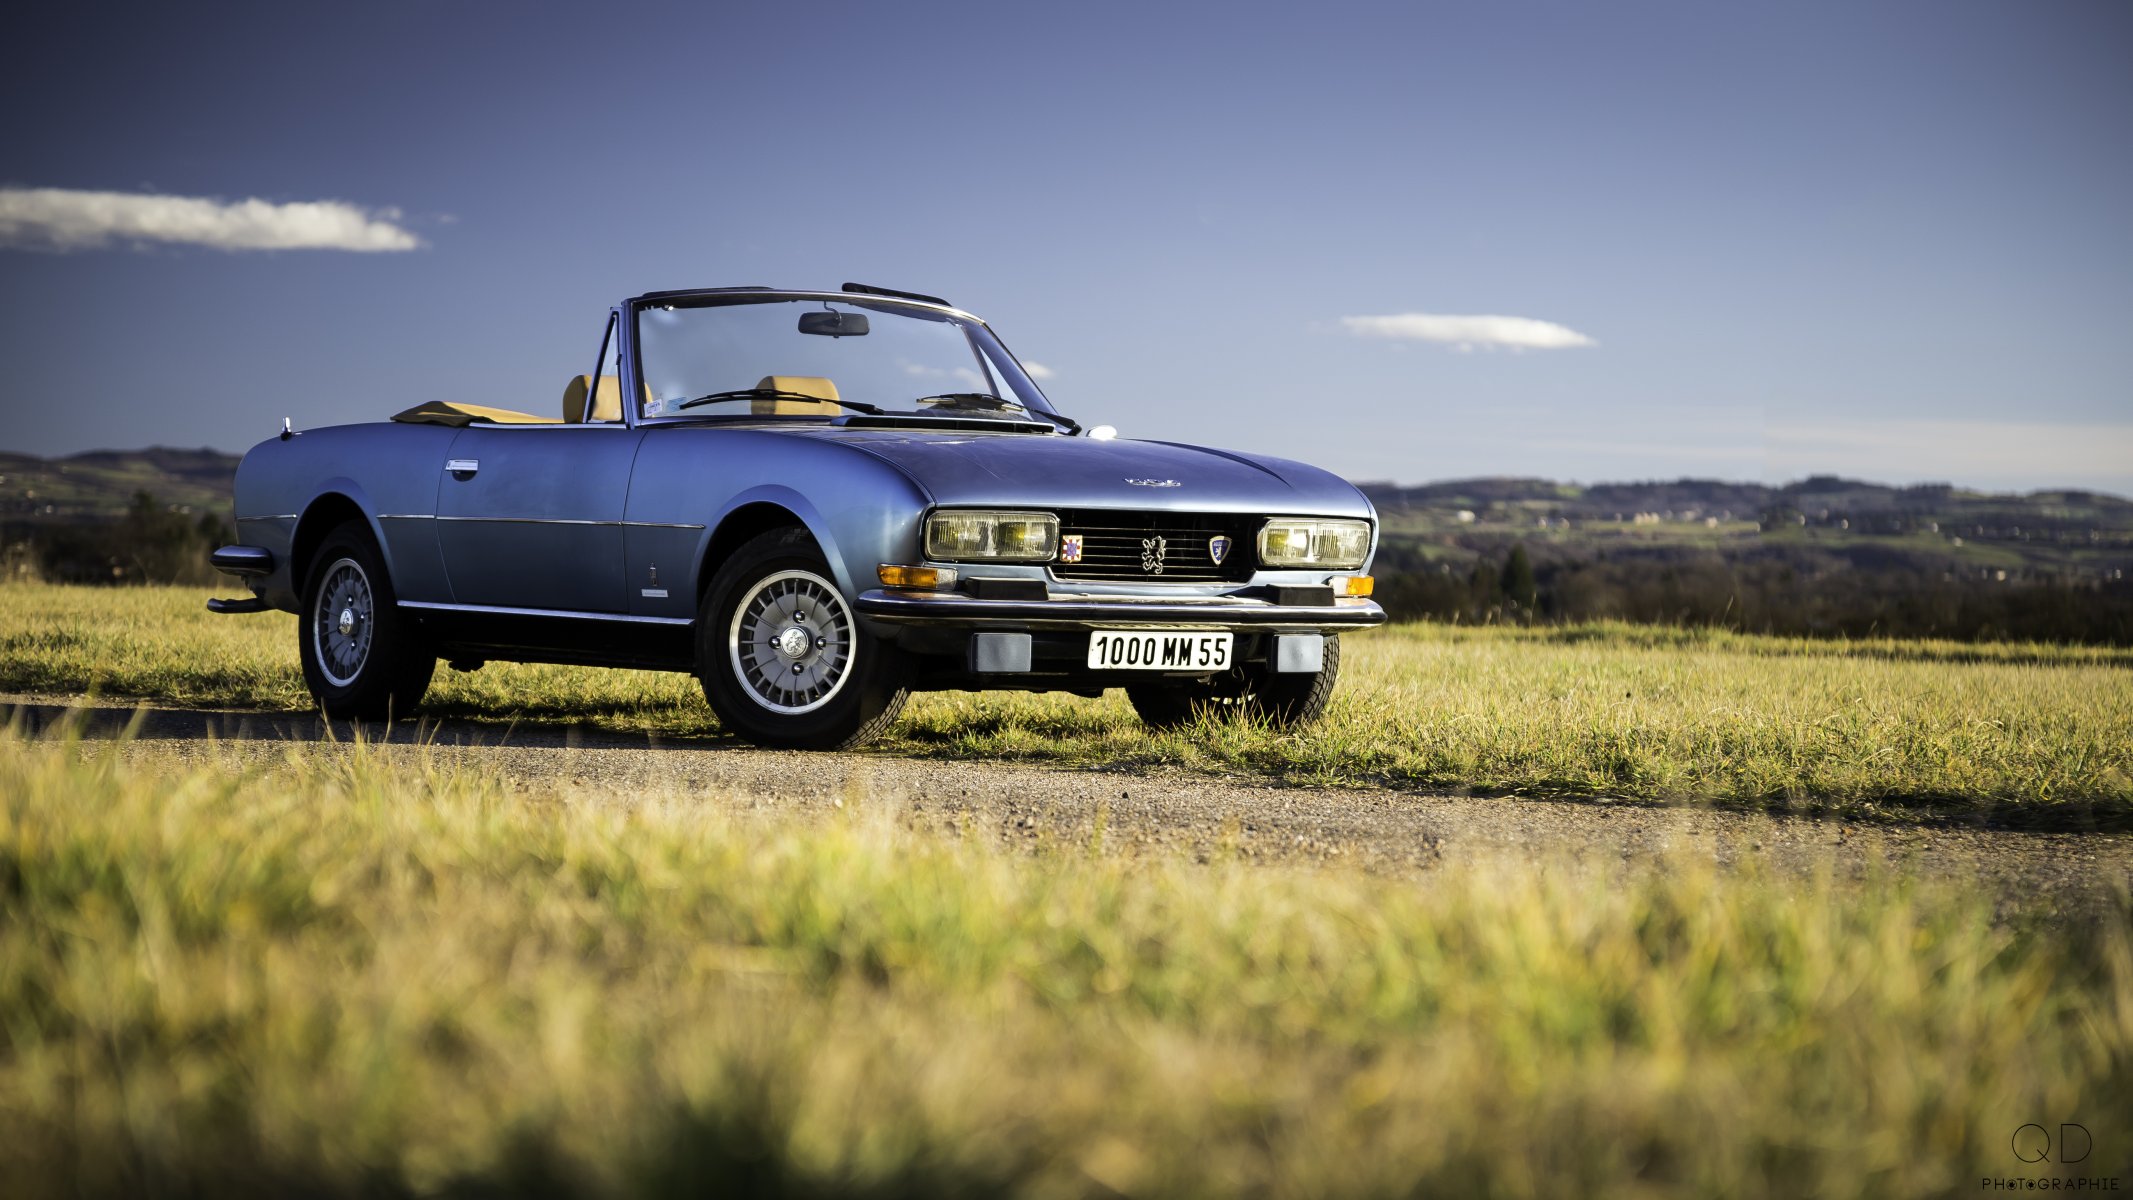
(1372, 829)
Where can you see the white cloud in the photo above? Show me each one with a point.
(1469, 332)
(1039, 372)
(62, 219)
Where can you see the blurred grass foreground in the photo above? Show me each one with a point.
(329, 975)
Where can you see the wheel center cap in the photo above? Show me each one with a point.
(794, 642)
(348, 621)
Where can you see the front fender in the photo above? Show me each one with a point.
(821, 528)
(860, 511)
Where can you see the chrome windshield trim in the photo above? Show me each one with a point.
(719, 297)
(564, 613)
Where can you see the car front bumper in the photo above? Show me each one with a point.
(1071, 611)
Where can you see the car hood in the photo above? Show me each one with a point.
(967, 468)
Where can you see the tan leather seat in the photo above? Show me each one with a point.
(806, 385)
(606, 401)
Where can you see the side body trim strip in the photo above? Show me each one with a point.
(538, 521)
(564, 613)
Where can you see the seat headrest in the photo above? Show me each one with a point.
(606, 401)
(806, 385)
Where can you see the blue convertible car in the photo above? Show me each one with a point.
(815, 502)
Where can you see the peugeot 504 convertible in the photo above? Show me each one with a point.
(815, 502)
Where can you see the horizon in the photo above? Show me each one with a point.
(1418, 242)
(1442, 481)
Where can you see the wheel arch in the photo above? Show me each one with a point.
(756, 513)
(327, 511)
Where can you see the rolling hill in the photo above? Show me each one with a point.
(1821, 555)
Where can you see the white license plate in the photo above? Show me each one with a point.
(1158, 650)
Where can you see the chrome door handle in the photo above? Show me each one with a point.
(462, 467)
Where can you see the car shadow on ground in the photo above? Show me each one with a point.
(102, 720)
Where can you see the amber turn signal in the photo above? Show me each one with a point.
(1354, 585)
(923, 579)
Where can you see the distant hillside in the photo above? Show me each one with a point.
(2068, 535)
(101, 484)
(1823, 555)
(1712, 497)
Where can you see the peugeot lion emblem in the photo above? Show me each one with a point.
(1153, 482)
(1152, 551)
(1218, 548)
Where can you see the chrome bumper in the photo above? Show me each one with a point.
(1076, 611)
(250, 563)
(242, 560)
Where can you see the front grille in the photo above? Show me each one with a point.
(1123, 546)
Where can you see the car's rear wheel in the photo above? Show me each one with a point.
(1251, 690)
(782, 658)
(362, 659)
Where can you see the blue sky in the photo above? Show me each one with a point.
(1887, 240)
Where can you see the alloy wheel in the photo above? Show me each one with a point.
(790, 642)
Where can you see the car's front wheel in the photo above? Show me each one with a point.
(1252, 690)
(782, 659)
(362, 660)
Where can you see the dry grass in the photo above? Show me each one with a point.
(2022, 734)
(337, 975)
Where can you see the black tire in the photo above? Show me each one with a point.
(844, 687)
(1253, 691)
(363, 661)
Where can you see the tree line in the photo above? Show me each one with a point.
(1778, 591)
(1772, 589)
(149, 543)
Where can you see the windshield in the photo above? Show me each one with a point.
(779, 356)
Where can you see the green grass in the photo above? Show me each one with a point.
(346, 973)
(2023, 734)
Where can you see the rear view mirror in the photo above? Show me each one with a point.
(834, 324)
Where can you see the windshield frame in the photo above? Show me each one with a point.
(997, 358)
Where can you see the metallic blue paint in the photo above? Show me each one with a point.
(588, 520)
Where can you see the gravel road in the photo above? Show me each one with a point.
(1168, 812)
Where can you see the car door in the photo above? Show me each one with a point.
(530, 516)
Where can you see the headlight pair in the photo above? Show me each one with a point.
(984, 535)
(988, 535)
(1308, 542)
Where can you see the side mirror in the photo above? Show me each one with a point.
(834, 324)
